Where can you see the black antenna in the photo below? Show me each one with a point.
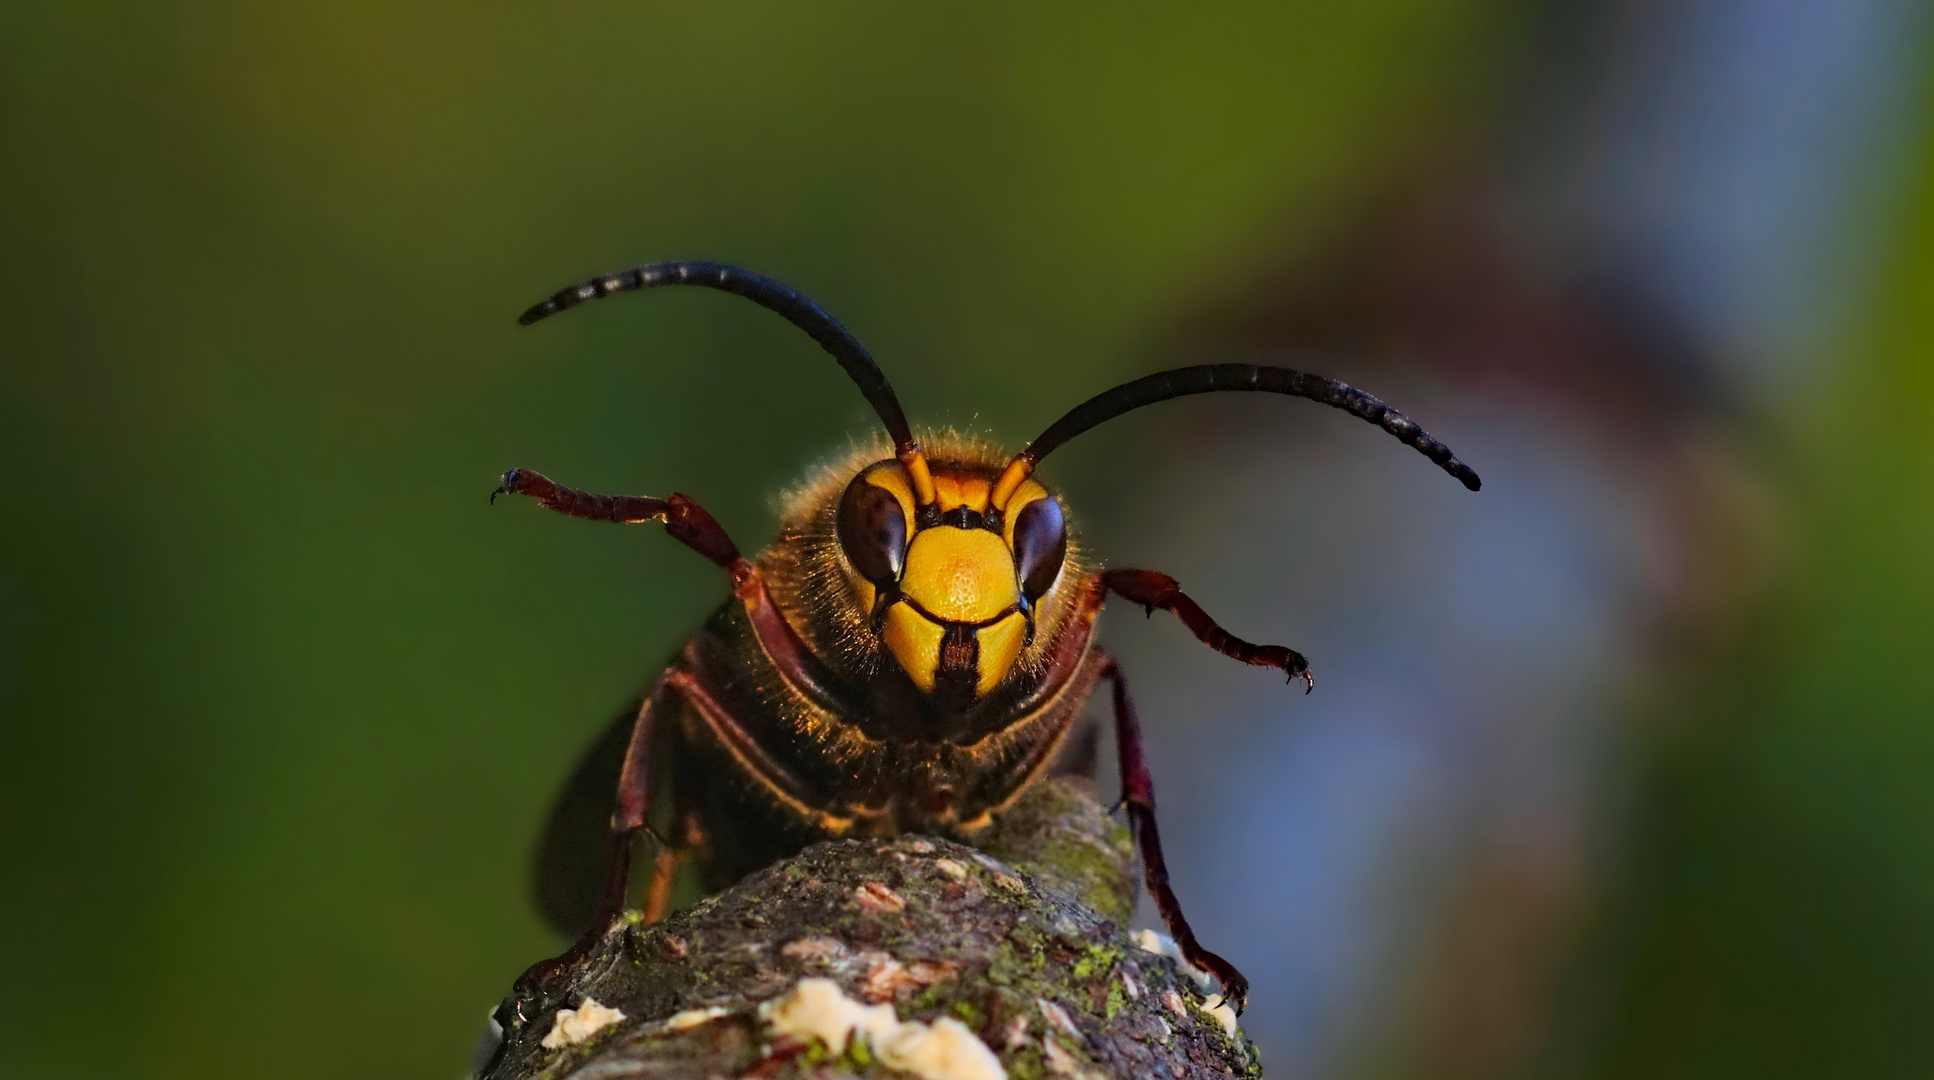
(798, 310)
(1213, 378)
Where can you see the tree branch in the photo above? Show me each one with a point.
(1021, 940)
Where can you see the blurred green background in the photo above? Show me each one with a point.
(283, 699)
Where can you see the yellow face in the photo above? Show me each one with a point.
(951, 600)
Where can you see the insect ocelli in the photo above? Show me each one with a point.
(913, 651)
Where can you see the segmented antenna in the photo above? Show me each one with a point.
(1213, 378)
(772, 295)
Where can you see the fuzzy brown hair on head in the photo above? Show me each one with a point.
(815, 585)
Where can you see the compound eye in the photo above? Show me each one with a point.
(873, 530)
(1040, 546)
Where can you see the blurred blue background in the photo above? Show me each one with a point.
(1620, 767)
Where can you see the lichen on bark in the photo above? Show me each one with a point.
(1021, 938)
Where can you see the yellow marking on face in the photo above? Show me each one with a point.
(915, 642)
(960, 575)
(1000, 644)
(954, 575)
(954, 489)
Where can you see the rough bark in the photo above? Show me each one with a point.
(1022, 939)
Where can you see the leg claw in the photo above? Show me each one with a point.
(1235, 988)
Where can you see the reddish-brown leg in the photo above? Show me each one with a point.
(686, 520)
(664, 869)
(1152, 590)
(1138, 794)
(628, 819)
(688, 523)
